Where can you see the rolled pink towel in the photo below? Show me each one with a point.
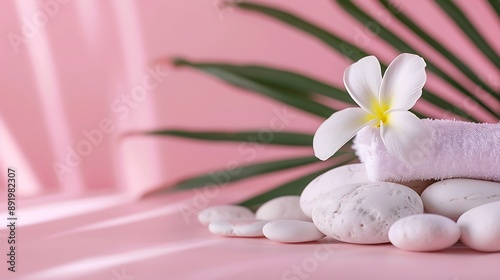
(457, 150)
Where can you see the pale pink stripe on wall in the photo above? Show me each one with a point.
(139, 159)
(12, 156)
(48, 90)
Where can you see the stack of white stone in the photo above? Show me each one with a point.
(344, 205)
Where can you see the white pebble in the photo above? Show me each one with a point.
(480, 227)
(282, 208)
(224, 212)
(341, 176)
(363, 213)
(292, 231)
(451, 198)
(324, 183)
(237, 227)
(424, 232)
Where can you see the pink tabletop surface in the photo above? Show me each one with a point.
(110, 237)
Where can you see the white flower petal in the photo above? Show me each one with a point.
(406, 137)
(337, 130)
(403, 82)
(362, 80)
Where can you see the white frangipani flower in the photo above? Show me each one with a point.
(384, 103)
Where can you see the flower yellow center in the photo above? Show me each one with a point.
(379, 112)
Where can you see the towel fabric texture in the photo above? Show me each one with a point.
(457, 150)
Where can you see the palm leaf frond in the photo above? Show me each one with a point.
(461, 20)
(300, 91)
(262, 136)
(402, 46)
(289, 97)
(280, 78)
(461, 66)
(226, 176)
(344, 47)
(340, 45)
(495, 4)
(293, 187)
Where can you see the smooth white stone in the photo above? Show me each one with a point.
(237, 227)
(224, 212)
(480, 227)
(324, 183)
(451, 198)
(282, 208)
(291, 231)
(424, 232)
(341, 176)
(363, 213)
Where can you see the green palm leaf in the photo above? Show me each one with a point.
(262, 137)
(285, 96)
(278, 78)
(299, 91)
(466, 26)
(495, 4)
(293, 187)
(340, 45)
(226, 176)
(402, 46)
(401, 16)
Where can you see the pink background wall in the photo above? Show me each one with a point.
(70, 73)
